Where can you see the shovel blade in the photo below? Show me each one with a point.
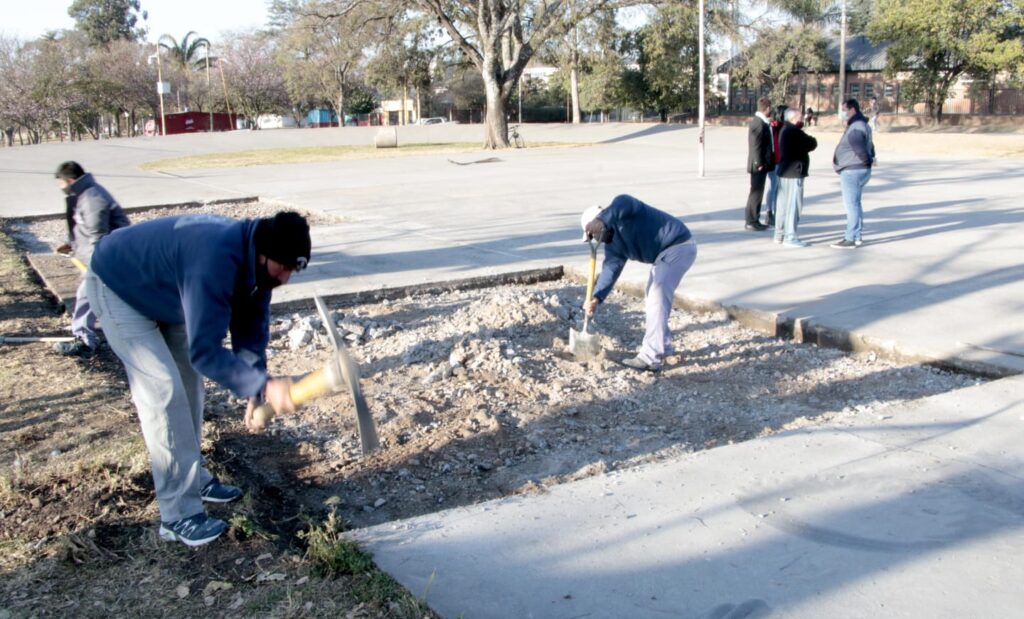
(584, 346)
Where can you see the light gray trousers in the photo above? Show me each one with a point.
(83, 320)
(168, 395)
(667, 271)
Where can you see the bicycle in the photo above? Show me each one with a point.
(514, 137)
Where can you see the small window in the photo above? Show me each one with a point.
(888, 91)
(822, 88)
(854, 90)
(869, 90)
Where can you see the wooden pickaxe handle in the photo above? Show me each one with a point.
(313, 385)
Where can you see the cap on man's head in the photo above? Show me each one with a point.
(69, 170)
(284, 238)
(589, 215)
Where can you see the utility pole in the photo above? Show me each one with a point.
(842, 60)
(520, 87)
(160, 89)
(208, 94)
(227, 102)
(700, 90)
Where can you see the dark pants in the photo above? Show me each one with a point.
(757, 180)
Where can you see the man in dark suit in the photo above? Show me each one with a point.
(759, 161)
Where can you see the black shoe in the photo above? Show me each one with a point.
(78, 348)
(770, 220)
(844, 244)
(756, 226)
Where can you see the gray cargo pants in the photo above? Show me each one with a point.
(168, 395)
(667, 271)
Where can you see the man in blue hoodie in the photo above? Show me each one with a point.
(168, 291)
(854, 156)
(632, 230)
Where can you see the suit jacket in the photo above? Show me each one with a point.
(795, 146)
(759, 147)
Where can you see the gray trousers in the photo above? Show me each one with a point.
(168, 395)
(791, 204)
(667, 271)
(83, 321)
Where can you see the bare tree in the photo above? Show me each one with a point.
(255, 83)
(499, 37)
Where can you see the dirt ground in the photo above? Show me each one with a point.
(476, 397)
(78, 516)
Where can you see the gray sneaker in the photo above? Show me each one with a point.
(194, 530)
(216, 492)
(794, 243)
(77, 348)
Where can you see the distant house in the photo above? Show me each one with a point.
(865, 64)
(392, 111)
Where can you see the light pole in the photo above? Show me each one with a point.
(208, 94)
(700, 96)
(842, 60)
(160, 89)
(227, 102)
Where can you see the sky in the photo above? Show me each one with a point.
(28, 20)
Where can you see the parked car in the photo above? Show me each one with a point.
(437, 120)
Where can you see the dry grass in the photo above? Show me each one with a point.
(78, 516)
(314, 154)
(944, 141)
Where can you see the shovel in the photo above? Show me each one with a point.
(583, 345)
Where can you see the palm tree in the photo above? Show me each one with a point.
(185, 55)
(186, 52)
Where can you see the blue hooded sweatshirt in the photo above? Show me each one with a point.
(639, 232)
(196, 270)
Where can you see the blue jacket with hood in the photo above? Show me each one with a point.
(200, 271)
(639, 232)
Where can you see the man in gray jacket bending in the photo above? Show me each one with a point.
(855, 154)
(92, 213)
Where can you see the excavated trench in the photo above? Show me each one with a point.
(476, 397)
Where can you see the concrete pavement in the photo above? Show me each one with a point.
(917, 515)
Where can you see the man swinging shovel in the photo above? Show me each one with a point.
(632, 230)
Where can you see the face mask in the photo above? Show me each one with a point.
(845, 115)
(263, 279)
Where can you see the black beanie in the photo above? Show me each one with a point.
(284, 238)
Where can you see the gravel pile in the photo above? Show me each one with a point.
(476, 397)
(43, 235)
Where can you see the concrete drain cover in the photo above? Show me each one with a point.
(475, 397)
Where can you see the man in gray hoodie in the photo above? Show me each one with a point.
(91, 213)
(854, 156)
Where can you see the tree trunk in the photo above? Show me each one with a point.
(496, 124)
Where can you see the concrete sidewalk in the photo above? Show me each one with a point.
(920, 514)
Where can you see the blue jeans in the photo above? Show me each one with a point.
(667, 271)
(773, 192)
(168, 396)
(791, 202)
(852, 183)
